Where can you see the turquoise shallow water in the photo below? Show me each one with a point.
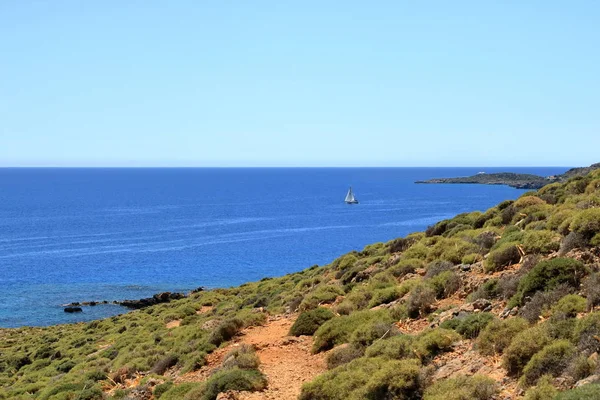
(108, 234)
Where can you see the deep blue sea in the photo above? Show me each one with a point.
(109, 234)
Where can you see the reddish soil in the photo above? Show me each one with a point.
(286, 361)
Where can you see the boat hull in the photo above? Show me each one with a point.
(352, 202)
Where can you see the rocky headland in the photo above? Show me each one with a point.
(519, 181)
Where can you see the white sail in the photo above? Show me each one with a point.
(350, 197)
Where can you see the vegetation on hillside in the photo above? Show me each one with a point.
(519, 281)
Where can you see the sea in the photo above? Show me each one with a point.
(76, 234)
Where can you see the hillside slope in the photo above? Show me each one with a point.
(487, 305)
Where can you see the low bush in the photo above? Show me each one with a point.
(568, 307)
(542, 391)
(419, 302)
(552, 360)
(160, 389)
(434, 341)
(573, 240)
(498, 334)
(340, 329)
(406, 266)
(471, 258)
(384, 296)
(367, 334)
(540, 242)
(321, 295)
(541, 302)
(367, 378)
(445, 284)
(586, 392)
(229, 379)
(242, 357)
(225, 331)
(502, 257)
(587, 222)
(161, 366)
(308, 322)
(343, 354)
(523, 346)
(476, 387)
(591, 289)
(587, 332)
(437, 267)
(394, 348)
(489, 290)
(470, 326)
(548, 274)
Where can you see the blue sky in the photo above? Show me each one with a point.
(311, 83)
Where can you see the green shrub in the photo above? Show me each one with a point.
(489, 290)
(553, 359)
(587, 332)
(587, 222)
(308, 322)
(498, 334)
(366, 334)
(419, 302)
(225, 331)
(435, 341)
(346, 262)
(394, 348)
(230, 379)
(166, 362)
(445, 284)
(340, 329)
(542, 391)
(568, 307)
(585, 392)
(471, 258)
(242, 357)
(321, 295)
(343, 354)
(502, 257)
(470, 326)
(549, 274)
(527, 201)
(476, 387)
(367, 378)
(523, 346)
(406, 266)
(384, 296)
(540, 242)
(160, 389)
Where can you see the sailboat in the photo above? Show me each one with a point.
(350, 199)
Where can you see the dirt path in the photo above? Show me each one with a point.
(286, 361)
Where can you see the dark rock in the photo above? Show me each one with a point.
(481, 304)
(93, 303)
(72, 309)
(465, 267)
(158, 298)
(198, 289)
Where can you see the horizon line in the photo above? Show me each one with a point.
(267, 166)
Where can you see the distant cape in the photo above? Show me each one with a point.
(519, 181)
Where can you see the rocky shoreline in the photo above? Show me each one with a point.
(158, 298)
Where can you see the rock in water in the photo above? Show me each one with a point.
(72, 309)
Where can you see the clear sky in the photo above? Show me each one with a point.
(305, 83)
